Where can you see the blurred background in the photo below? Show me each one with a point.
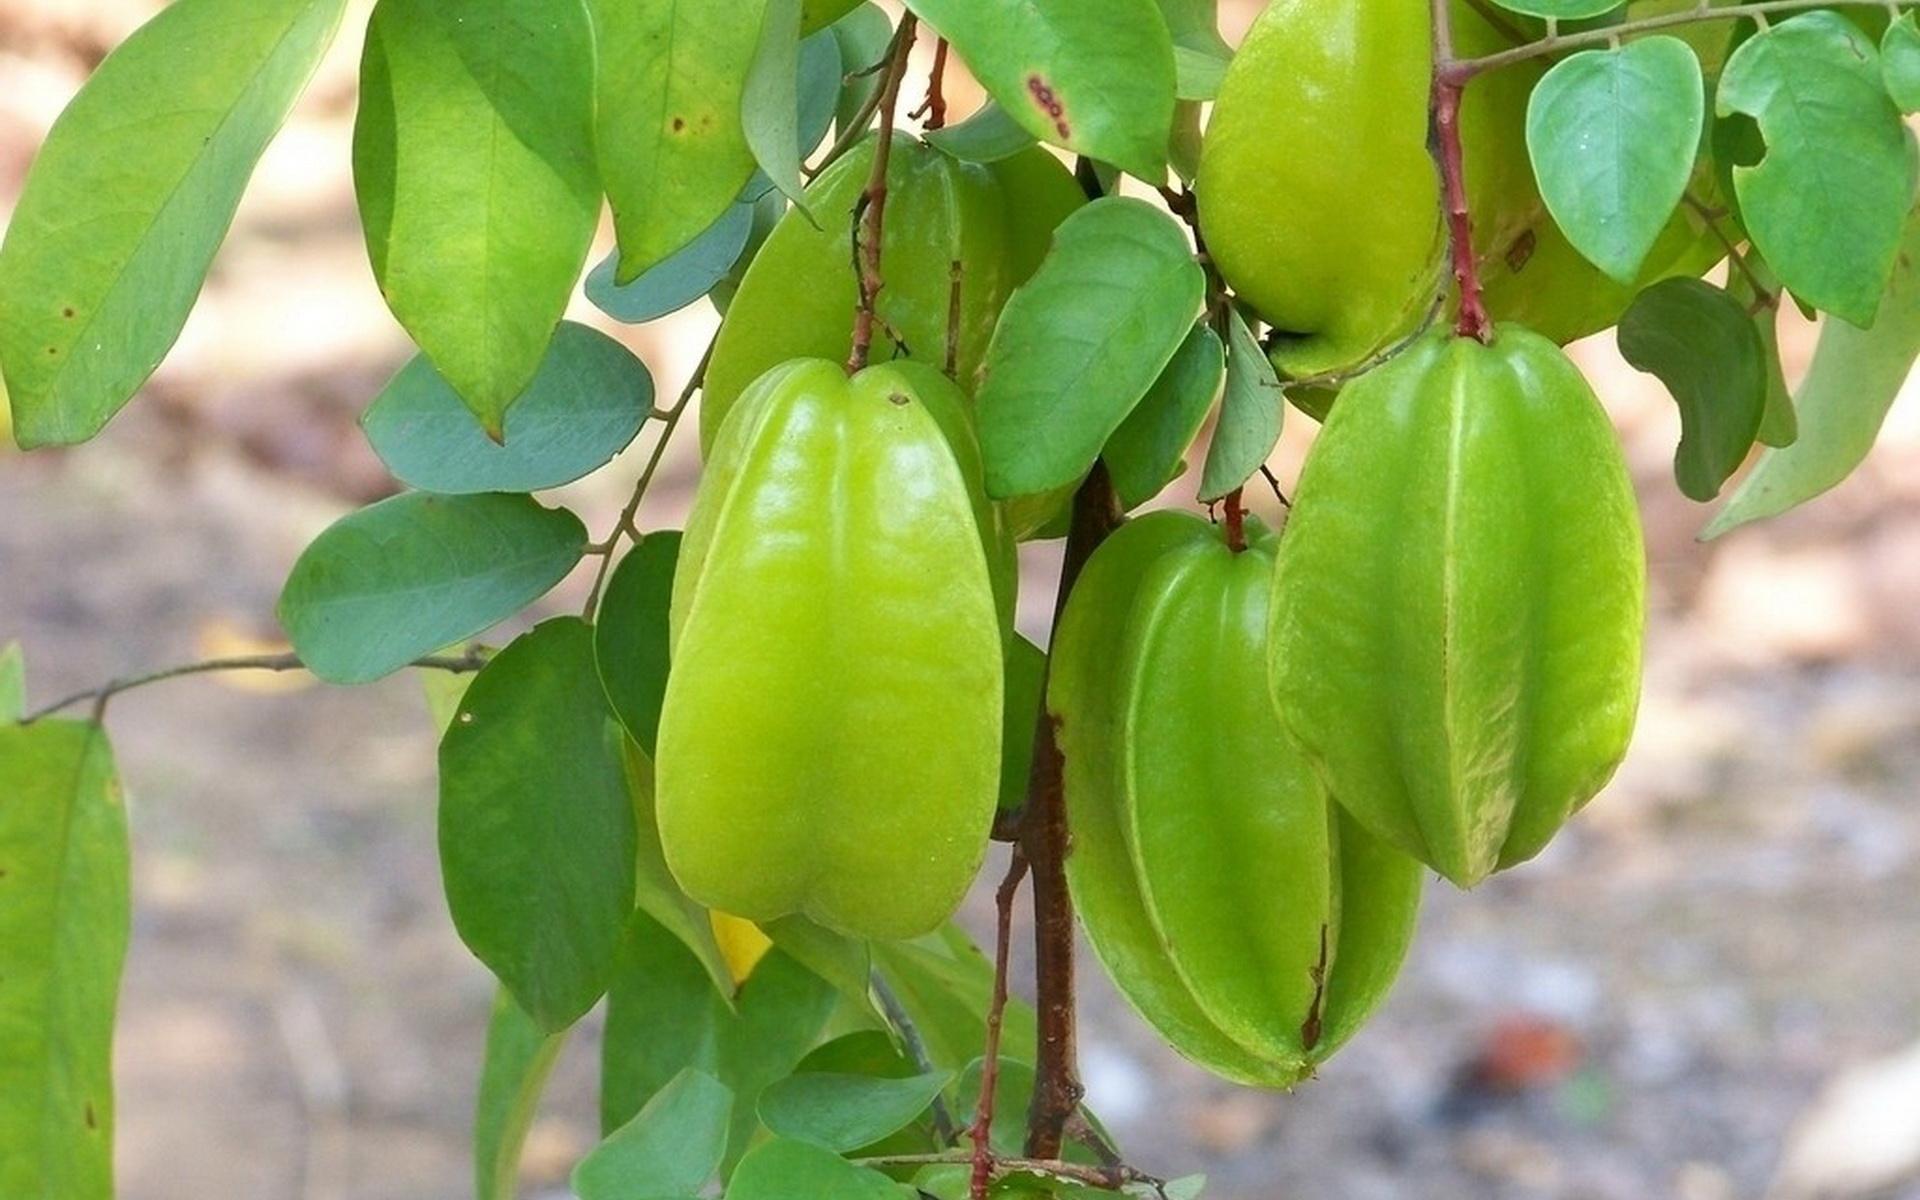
(1708, 989)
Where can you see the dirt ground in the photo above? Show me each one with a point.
(1712, 973)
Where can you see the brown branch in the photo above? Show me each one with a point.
(1236, 521)
(870, 212)
(934, 107)
(982, 1130)
(1445, 142)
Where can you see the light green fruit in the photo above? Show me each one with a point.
(830, 736)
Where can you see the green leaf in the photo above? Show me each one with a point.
(1195, 25)
(664, 1016)
(1826, 203)
(473, 161)
(1096, 79)
(842, 1113)
(840, 960)
(657, 893)
(444, 690)
(537, 827)
(1251, 412)
(789, 1170)
(945, 985)
(401, 578)
(1703, 346)
(130, 197)
(1026, 680)
(1144, 454)
(1613, 135)
(64, 917)
(586, 404)
(1849, 386)
(861, 36)
(1011, 1091)
(1197, 74)
(519, 1057)
(672, 151)
(1779, 426)
(13, 683)
(677, 280)
(1900, 62)
(1079, 343)
(671, 1147)
(769, 101)
(989, 135)
(1565, 10)
(630, 642)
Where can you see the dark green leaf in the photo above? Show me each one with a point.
(1079, 343)
(130, 197)
(1825, 204)
(1704, 347)
(473, 160)
(585, 405)
(671, 1147)
(672, 151)
(657, 893)
(519, 1057)
(663, 1016)
(630, 642)
(1613, 135)
(769, 102)
(13, 683)
(1197, 74)
(1096, 79)
(537, 827)
(945, 984)
(64, 916)
(870, 1052)
(1144, 454)
(1851, 383)
(1251, 412)
(401, 578)
(842, 1113)
(788, 1170)
(861, 36)
(1026, 678)
(989, 135)
(1900, 62)
(678, 280)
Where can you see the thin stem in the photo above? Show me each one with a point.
(869, 214)
(1761, 291)
(1235, 521)
(982, 1130)
(934, 107)
(1448, 154)
(1461, 70)
(472, 660)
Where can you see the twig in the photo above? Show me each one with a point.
(1273, 481)
(1763, 294)
(472, 660)
(916, 1047)
(869, 214)
(934, 107)
(1461, 70)
(1444, 139)
(982, 1131)
(1108, 1178)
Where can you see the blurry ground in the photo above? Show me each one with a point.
(1652, 1007)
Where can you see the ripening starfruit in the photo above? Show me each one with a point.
(1240, 913)
(798, 297)
(1319, 199)
(830, 736)
(1460, 599)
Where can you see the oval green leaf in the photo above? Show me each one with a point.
(587, 402)
(1701, 343)
(1080, 343)
(1613, 135)
(1900, 62)
(842, 1113)
(1144, 454)
(783, 1169)
(1827, 201)
(1251, 413)
(401, 578)
(537, 827)
(1096, 79)
(630, 641)
(1566, 10)
(677, 280)
(130, 197)
(989, 135)
(513, 1073)
(671, 1147)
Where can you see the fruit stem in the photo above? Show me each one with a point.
(1450, 157)
(870, 211)
(1234, 521)
(934, 106)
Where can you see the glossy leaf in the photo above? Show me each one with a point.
(1144, 454)
(13, 683)
(131, 195)
(790, 1170)
(415, 572)
(671, 1147)
(630, 640)
(584, 406)
(1251, 413)
(519, 1057)
(663, 1016)
(1826, 203)
(672, 152)
(473, 161)
(1613, 135)
(988, 135)
(537, 828)
(677, 280)
(1702, 345)
(1900, 62)
(842, 1113)
(1080, 343)
(657, 893)
(1096, 79)
(1852, 382)
(64, 917)
(769, 101)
